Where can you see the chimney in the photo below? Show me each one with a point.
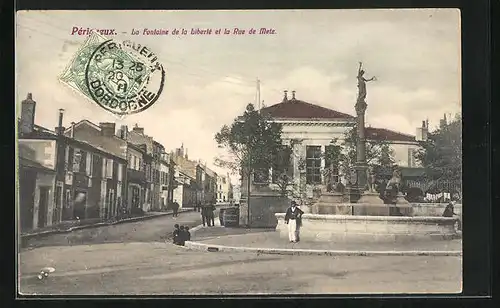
(27, 114)
(60, 129)
(422, 132)
(186, 155)
(72, 129)
(107, 129)
(137, 129)
(293, 95)
(285, 98)
(124, 132)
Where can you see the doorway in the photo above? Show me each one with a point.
(80, 204)
(43, 206)
(27, 185)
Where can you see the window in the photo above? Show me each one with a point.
(77, 157)
(120, 172)
(130, 161)
(313, 164)
(104, 167)
(66, 158)
(88, 164)
(109, 168)
(261, 176)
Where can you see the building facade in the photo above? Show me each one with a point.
(36, 189)
(64, 179)
(313, 127)
(224, 188)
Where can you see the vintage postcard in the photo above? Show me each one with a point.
(239, 152)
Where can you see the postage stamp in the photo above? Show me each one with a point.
(120, 76)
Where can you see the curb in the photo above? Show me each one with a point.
(97, 225)
(309, 252)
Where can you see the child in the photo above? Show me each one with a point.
(176, 235)
(182, 236)
(188, 234)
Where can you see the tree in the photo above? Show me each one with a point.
(335, 158)
(441, 153)
(385, 158)
(283, 168)
(253, 142)
(378, 152)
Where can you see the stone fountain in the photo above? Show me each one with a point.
(369, 219)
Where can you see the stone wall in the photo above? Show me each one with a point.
(339, 228)
(433, 209)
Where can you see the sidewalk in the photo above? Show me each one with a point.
(70, 226)
(270, 239)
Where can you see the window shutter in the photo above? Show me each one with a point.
(120, 172)
(109, 167)
(66, 158)
(104, 164)
(88, 164)
(77, 156)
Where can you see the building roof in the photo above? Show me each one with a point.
(42, 133)
(297, 109)
(373, 133)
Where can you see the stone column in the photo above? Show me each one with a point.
(361, 166)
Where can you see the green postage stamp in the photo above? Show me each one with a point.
(122, 77)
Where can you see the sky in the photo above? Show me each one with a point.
(415, 55)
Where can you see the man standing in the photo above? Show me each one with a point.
(204, 215)
(211, 214)
(293, 218)
(175, 208)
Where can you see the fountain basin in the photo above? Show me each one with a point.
(353, 228)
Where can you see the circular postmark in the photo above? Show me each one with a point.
(124, 78)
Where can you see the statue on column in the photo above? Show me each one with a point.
(360, 102)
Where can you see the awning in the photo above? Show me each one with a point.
(27, 163)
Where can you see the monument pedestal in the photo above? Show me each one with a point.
(370, 204)
(331, 203)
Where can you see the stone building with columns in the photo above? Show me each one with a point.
(315, 126)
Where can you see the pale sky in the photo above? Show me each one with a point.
(415, 55)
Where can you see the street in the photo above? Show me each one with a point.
(150, 230)
(159, 268)
(132, 258)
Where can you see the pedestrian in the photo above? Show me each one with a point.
(293, 218)
(176, 235)
(198, 206)
(182, 236)
(211, 214)
(188, 234)
(449, 211)
(204, 215)
(175, 208)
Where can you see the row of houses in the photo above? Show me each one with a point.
(99, 171)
